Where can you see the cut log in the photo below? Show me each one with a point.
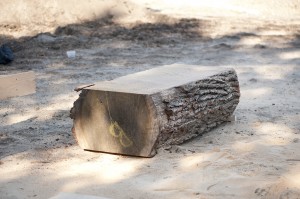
(17, 84)
(138, 113)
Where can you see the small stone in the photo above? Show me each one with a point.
(44, 38)
(296, 140)
(260, 46)
(252, 80)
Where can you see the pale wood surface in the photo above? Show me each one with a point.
(17, 84)
(156, 79)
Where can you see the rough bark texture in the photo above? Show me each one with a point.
(192, 109)
(139, 123)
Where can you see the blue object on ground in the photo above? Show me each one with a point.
(6, 54)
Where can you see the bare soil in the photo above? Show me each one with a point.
(257, 156)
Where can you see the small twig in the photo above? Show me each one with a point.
(79, 88)
(293, 160)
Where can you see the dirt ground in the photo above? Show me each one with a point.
(257, 156)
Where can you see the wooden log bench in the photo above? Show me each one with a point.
(138, 113)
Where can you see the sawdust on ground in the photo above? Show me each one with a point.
(257, 156)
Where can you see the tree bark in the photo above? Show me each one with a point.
(138, 113)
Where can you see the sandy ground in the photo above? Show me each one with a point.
(257, 156)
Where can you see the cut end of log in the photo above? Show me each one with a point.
(120, 123)
(138, 113)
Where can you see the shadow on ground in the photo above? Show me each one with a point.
(107, 50)
(38, 125)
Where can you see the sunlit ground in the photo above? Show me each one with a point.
(256, 156)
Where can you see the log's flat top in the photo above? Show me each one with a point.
(156, 79)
